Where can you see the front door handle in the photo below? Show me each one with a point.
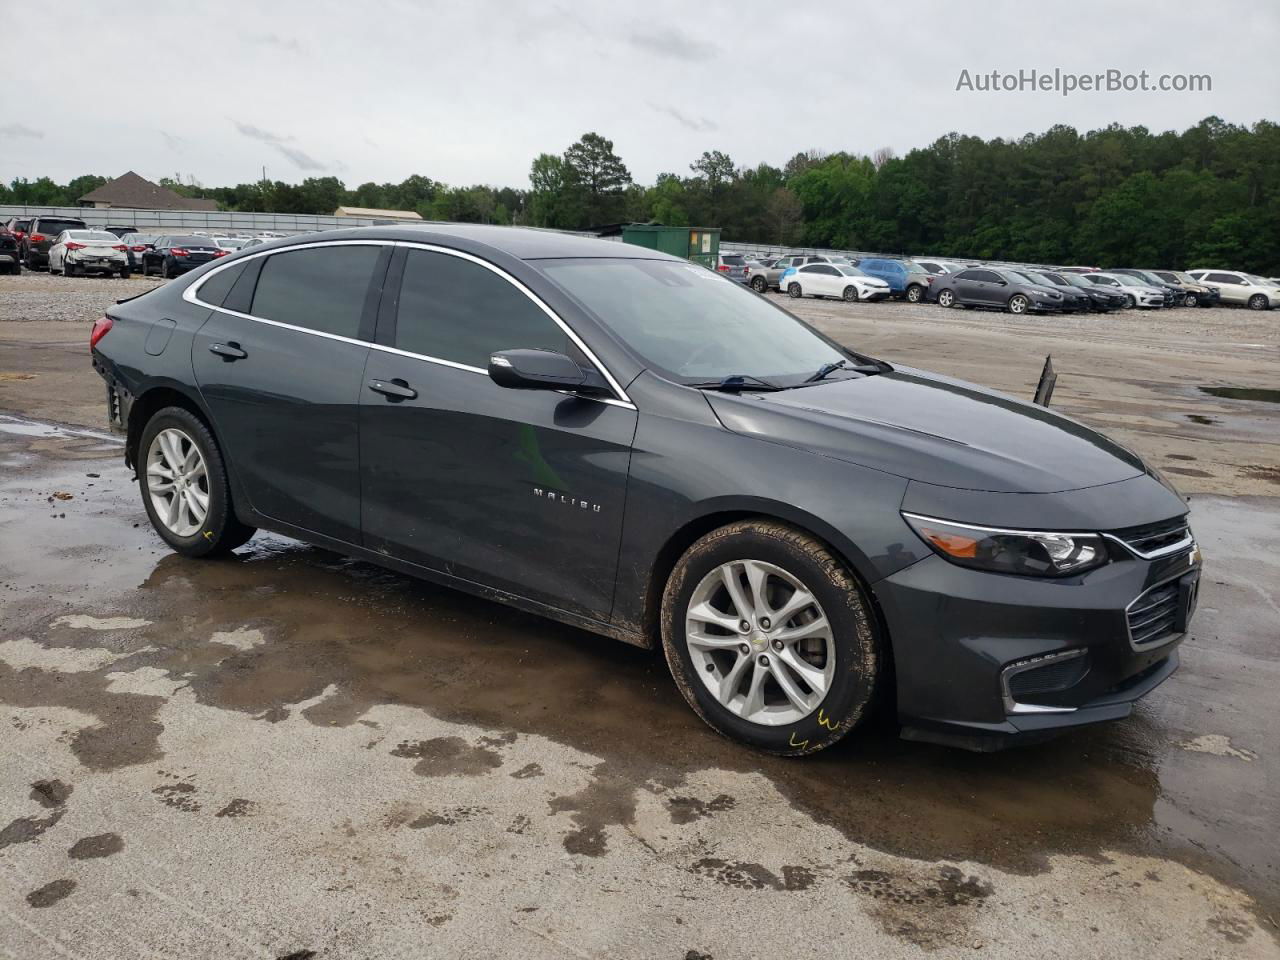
(228, 351)
(393, 389)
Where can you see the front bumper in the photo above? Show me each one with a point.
(986, 661)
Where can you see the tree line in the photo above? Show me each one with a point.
(1119, 195)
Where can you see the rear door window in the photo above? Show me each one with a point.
(321, 288)
(214, 290)
(455, 309)
(1221, 278)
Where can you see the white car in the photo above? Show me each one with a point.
(229, 243)
(1256, 293)
(83, 251)
(833, 280)
(1139, 294)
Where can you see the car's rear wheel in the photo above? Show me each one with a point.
(1018, 303)
(793, 291)
(1258, 302)
(770, 638)
(1190, 300)
(915, 293)
(184, 485)
(164, 269)
(146, 268)
(759, 284)
(946, 299)
(850, 293)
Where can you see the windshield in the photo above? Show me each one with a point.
(1018, 275)
(691, 324)
(98, 235)
(850, 271)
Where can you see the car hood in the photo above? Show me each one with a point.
(927, 427)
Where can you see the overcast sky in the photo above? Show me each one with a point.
(470, 92)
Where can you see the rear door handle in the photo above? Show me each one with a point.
(228, 351)
(394, 389)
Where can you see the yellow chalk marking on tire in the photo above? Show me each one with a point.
(824, 722)
(208, 534)
(799, 746)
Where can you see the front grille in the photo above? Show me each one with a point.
(1152, 537)
(1053, 677)
(1153, 616)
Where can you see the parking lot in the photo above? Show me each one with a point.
(290, 754)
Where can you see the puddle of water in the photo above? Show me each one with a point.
(1243, 393)
(30, 428)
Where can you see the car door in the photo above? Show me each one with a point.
(280, 364)
(1232, 287)
(977, 287)
(519, 490)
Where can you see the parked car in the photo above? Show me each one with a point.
(10, 258)
(701, 471)
(229, 243)
(171, 256)
(906, 278)
(41, 233)
(78, 252)
(1102, 299)
(1136, 293)
(1173, 295)
(1244, 289)
(780, 265)
(934, 267)
(137, 244)
(833, 280)
(733, 266)
(1194, 293)
(1074, 299)
(989, 287)
(254, 242)
(118, 231)
(17, 228)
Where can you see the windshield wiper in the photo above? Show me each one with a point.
(737, 382)
(825, 370)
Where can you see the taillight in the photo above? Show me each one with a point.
(119, 246)
(746, 271)
(178, 252)
(221, 253)
(137, 248)
(37, 238)
(723, 268)
(100, 328)
(72, 245)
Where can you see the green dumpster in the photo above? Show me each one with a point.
(701, 244)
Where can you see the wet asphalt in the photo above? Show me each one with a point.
(290, 751)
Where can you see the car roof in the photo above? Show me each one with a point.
(519, 242)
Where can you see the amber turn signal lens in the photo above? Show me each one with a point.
(952, 544)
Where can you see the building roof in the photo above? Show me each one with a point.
(373, 212)
(131, 190)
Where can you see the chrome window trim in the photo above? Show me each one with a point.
(1012, 706)
(190, 295)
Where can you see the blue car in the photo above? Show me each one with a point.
(907, 279)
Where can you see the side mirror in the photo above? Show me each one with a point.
(543, 370)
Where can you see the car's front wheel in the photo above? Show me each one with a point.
(184, 485)
(915, 293)
(793, 291)
(1190, 300)
(946, 298)
(851, 293)
(770, 638)
(1018, 303)
(1130, 301)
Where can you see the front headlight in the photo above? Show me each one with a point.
(1022, 552)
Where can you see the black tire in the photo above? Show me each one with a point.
(759, 284)
(915, 293)
(793, 291)
(1019, 304)
(221, 532)
(855, 634)
(1258, 302)
(164, 269)
(850, 294)
(1130, 301)
(946, 298)
(146, 267)
(1190, 300)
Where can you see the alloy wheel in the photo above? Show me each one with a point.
(1018, 304)
(913, 294)
(1257, 302)
(946, 298)
(761, 642)
(177, 482)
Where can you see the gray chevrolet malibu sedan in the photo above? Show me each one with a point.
(628, 443)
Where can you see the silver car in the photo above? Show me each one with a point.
(733, 266)
(1137, 293)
